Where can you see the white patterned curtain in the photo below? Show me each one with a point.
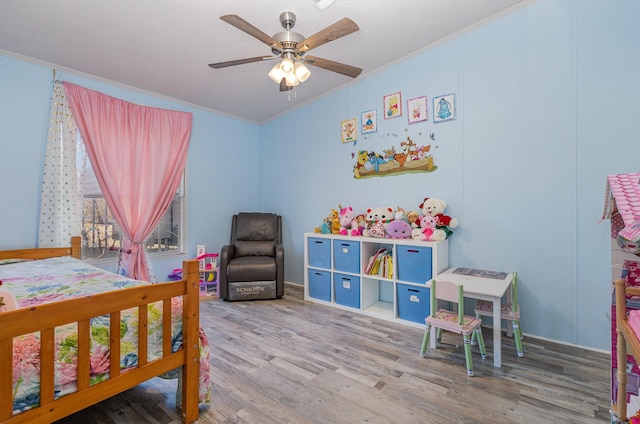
(61, 200)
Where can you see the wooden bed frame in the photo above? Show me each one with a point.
(626, 339)
(44, 318)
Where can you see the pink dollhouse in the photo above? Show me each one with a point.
(622, 208)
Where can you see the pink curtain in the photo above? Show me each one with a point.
(138, 154)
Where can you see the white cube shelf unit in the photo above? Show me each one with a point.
(335, 274)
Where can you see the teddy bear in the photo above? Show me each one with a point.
(374, 229)
(428, 230)
(7, 300)
(377, 218)
(335, 226)
(435, 208)
(348, 223)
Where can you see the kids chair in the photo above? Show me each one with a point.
(508, 311)
(451, 320)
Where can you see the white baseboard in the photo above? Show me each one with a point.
(577, 346)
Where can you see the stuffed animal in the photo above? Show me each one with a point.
(401, 215)
(398, 229)
(435, 208)
(428, 230)
(414, 219)
(330, 225)
(375, 229)
(335, 226)
(7, 300)
(334, 221)
(362, 223)
(324, 228)
(348, 223)
(377, 219)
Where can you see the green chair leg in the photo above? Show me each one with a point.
(517, 336)
(425, 340)
(473, 335)
(439, 334)
(467, 354)
(478, 334)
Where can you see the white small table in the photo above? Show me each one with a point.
(482, 288)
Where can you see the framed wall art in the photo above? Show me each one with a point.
(369, 121)
(348, 130)
(392, 105)
(417, 109)
(444, 108)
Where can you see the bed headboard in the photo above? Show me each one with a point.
(45, 252)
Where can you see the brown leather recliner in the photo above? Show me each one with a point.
(252, 265)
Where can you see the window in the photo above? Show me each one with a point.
(101, 237)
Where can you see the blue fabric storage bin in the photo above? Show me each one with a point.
(320, 284)
(347, 290)
(414, 263)
(413, 303)
(319, 252)
(346, 256)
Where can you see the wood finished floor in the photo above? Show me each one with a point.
(290, 361)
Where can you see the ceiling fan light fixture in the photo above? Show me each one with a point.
(291, 80)
(301, 71)
(276, 74)
(286, 65)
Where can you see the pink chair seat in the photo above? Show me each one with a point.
(484, 307)
(448, 320)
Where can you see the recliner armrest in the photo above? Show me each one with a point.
(280, 270)
(227, 252)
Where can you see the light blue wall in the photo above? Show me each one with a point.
(220, 147)
(608, 133)
(548, 99)
(25, 91)
(547, 103)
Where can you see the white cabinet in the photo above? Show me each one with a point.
(336, 274)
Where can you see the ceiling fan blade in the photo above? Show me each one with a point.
(330, 65)
(240, 61)
(341, 28)
(245, 26)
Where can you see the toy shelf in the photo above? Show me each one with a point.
(338, 274)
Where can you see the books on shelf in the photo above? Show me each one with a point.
(381, 264)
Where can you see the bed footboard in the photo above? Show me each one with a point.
(46, 317)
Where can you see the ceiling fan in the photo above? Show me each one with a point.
(292, 48)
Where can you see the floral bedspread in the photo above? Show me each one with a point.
(49, 280)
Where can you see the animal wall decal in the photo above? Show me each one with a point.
(410, 157)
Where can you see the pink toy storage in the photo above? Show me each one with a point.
(622, 208)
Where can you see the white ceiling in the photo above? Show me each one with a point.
(164, 46)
